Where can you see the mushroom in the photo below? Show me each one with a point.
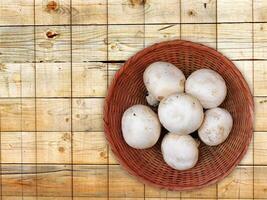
(216, 126)
(207, 86)
(180, 113)
(140, 127)
(179, 151)
(162, 79)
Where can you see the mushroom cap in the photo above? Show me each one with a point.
(162, 79)
(180, 113)
(179, 151)
(216, 126)
(140, 127)
(207, 86)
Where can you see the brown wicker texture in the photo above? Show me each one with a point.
(148, 165)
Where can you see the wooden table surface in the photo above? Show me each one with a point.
(57, 58)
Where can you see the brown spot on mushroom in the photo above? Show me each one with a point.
(181, 83)
(52, 6)
(61, 149)
(51, 34)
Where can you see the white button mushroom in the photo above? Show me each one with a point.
(180, 113)
(207, 86)
(162, 79)
(216, 126)
(179, 151)
(140, 127)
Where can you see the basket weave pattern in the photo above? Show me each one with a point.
(148, 165)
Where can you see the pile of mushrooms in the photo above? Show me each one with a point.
(184, 106)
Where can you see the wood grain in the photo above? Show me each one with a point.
(53, 147)
(260, 149)
(200, 33)
(89, 43)
(198, 11)
(239, 184)
(53, 44)
(52, 12)
(17, 114)
(17, 80)
(90, 181)
(160, 33)
(239, 11)
(17, 12)
(53, 80)
(125, 41)
(260, 41)
(260, 77)
(89, 148)
(53, 114)
(260, 10)
(157, 11)
(16, 44)
(87, 114)
(260, 113)
(89, 12)
(126, 11)
(235, 40)
(122, 185)
(207, 192)
(260, 182)
(89, 79)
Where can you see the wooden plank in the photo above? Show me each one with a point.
(206, 192)
(237, 11)
(260, 149)
(53, 80)
(239, 184)
(48, 12)
(260, 77)
(54, 180)
(17, 80)
(153, 192)
(89, 79)
(53, 44)
(89, 148)
(89, 43)
(54, 147)
(16, 44)
(18, 147)
(260, 182)
(35, 197)
(260, 10)
(126, 11)
(198, 11)
(89, 12)
(18, 180)
(16, 12)
(87, 114)
(53, 114)
(17, 115)
(159, 33)
(249, 156)
(157, 11)
(122, 185)
(260, 113)
(235, 40)
(112, 159)
(90, 181)
(260, 41)
(246, 68)
(124, 41)
(200, 33)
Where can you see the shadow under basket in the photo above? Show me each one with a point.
(147, 165)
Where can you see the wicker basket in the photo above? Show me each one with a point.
(148, 165)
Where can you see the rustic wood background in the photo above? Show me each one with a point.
(57, 58)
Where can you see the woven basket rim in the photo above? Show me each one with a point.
(148, 50)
